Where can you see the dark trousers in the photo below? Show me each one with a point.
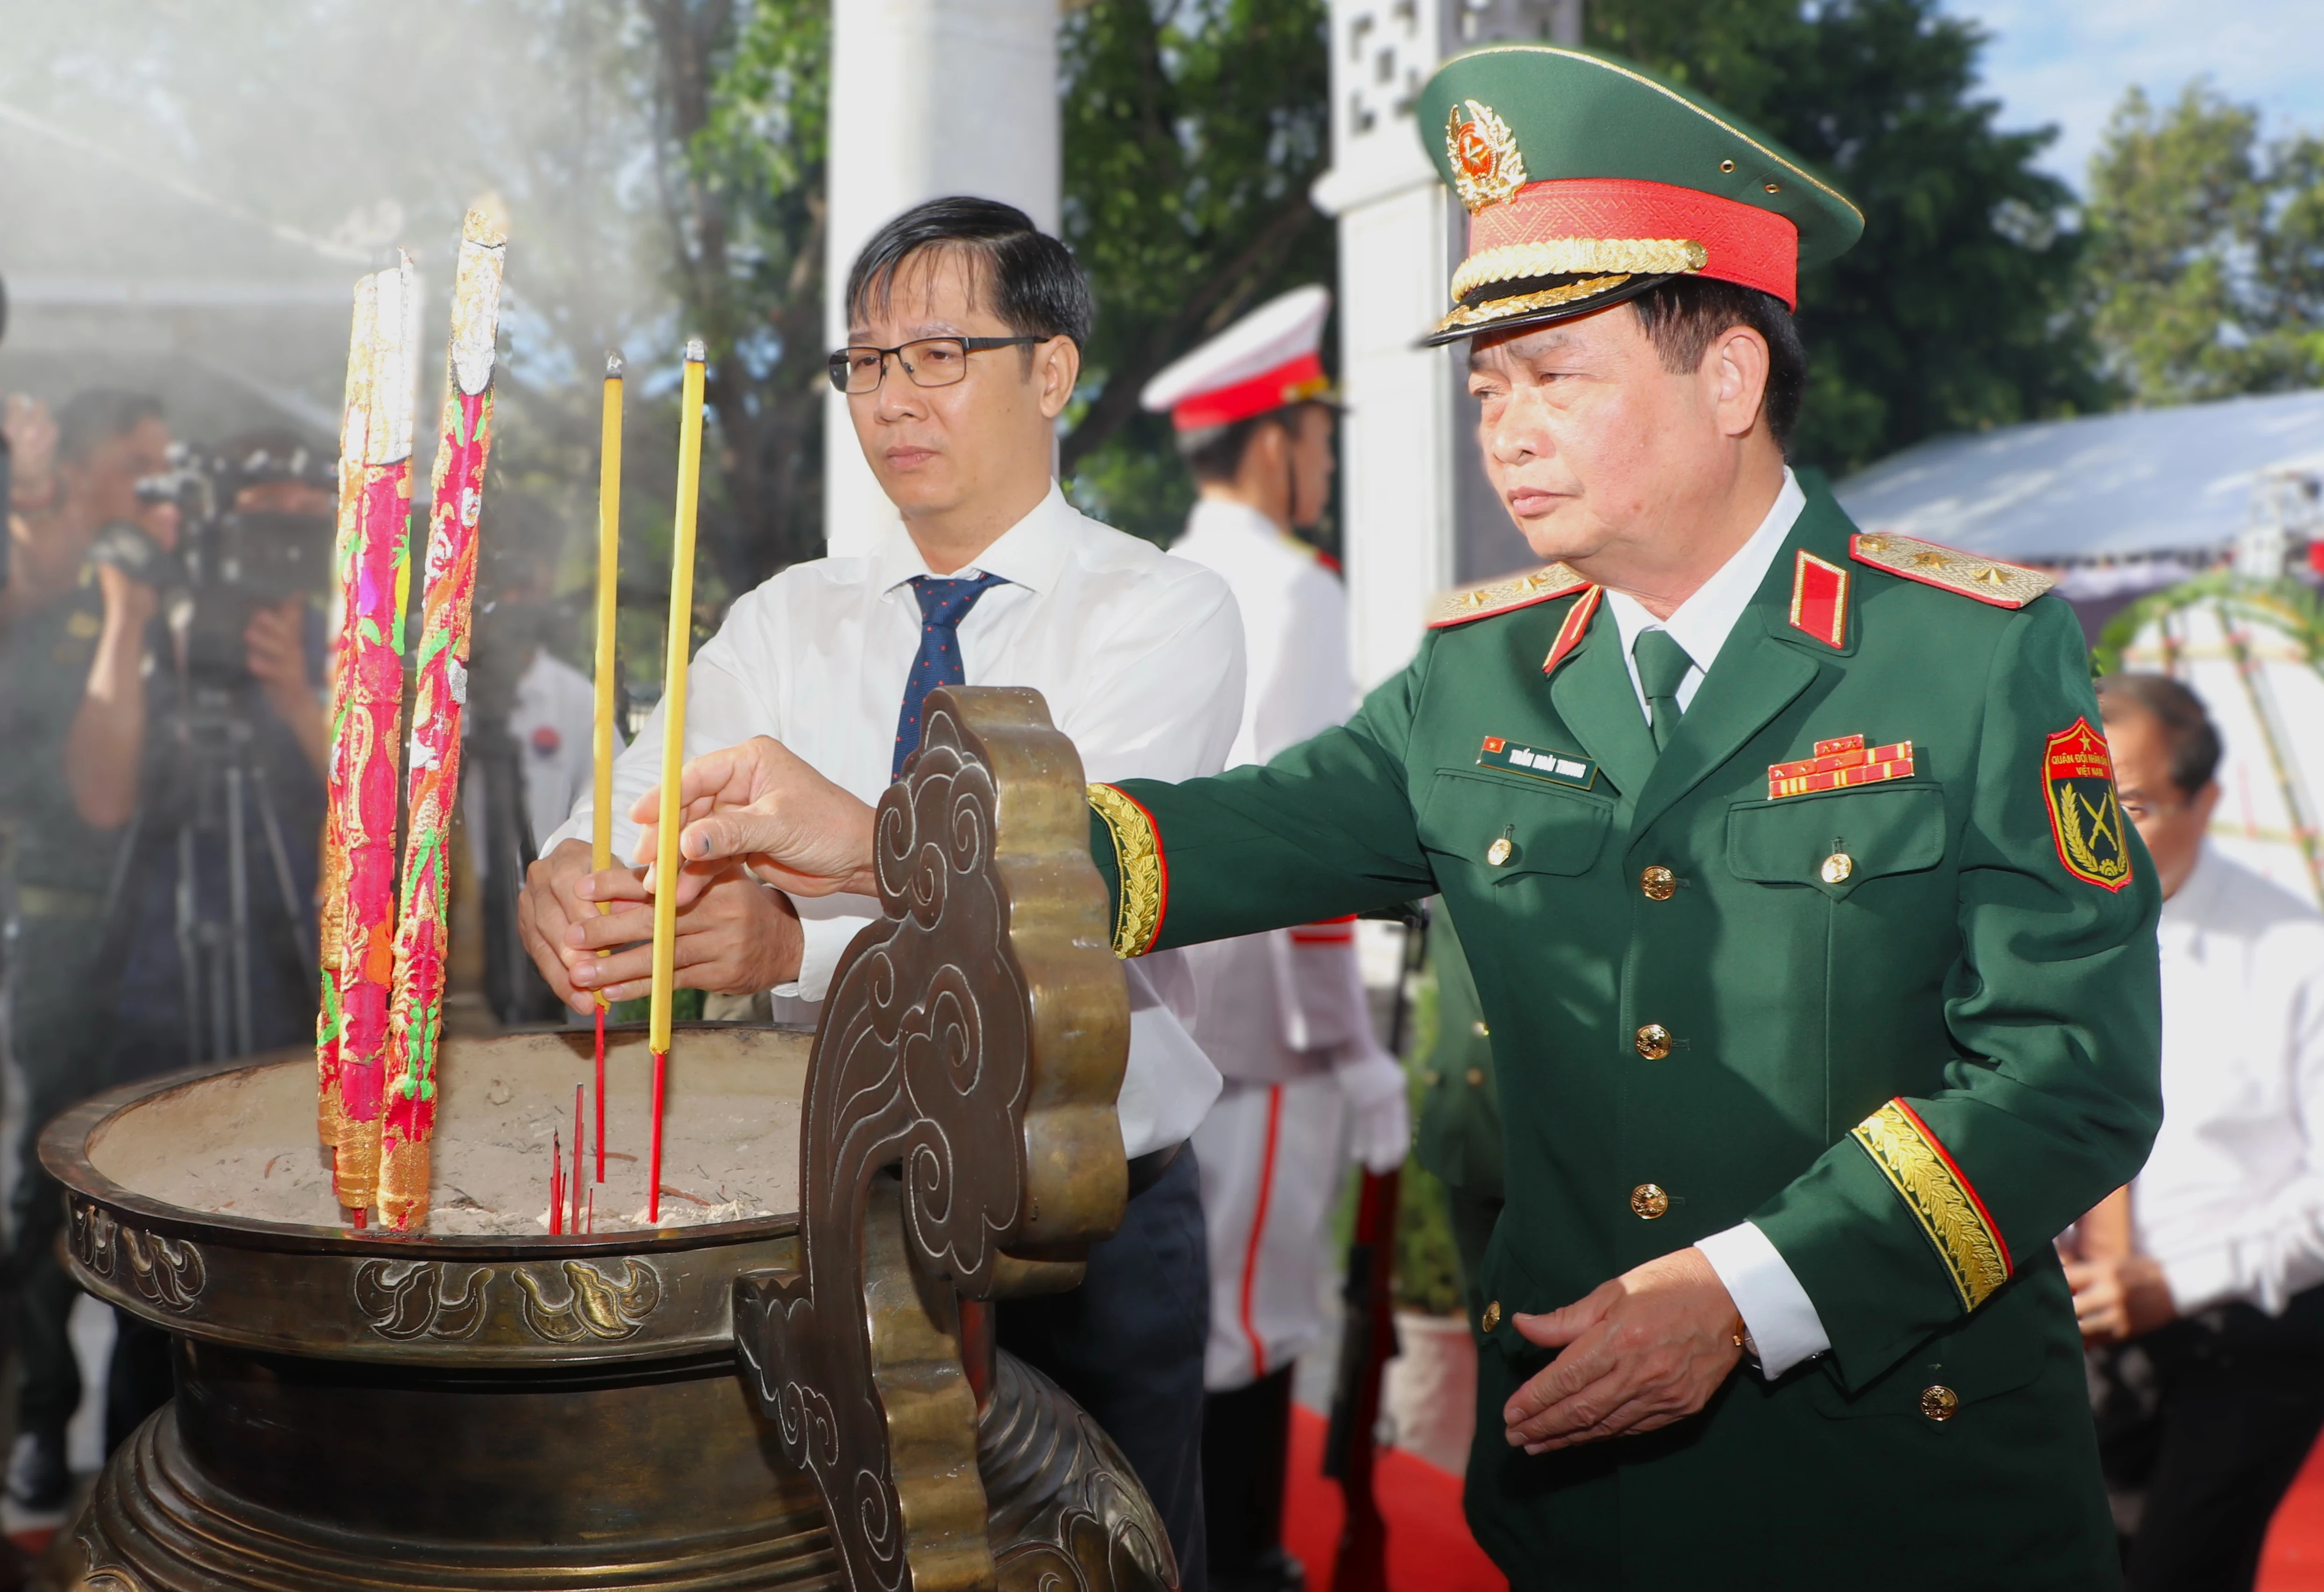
(56, 1040)
(2202, 1427)
(1246, 1460)
(1128, 1346)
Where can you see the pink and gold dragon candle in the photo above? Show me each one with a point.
(366, 715)
(416, 1016)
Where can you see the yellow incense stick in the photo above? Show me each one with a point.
(609, 564)
(609, 546)
(673, 746)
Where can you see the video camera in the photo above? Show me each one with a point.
(230, 561)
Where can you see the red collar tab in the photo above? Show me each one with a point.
(1295, 381)
(1948, 569)
(1576, 626)
(1819, 599)
(1503, 595)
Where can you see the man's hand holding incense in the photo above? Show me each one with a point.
(762, 805)
(735, 937)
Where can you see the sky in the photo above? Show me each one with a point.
(2069, 62)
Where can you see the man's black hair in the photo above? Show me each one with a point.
(2194, 738)
(1215, 453)
(1684, 315)
(96, 415)
(1026, 277)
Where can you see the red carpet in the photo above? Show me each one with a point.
(2294, 1560)
(1429, 1549)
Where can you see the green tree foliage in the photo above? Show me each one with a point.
(1193, 129)
(1956, 311)
(741, 90)
(2205, 264)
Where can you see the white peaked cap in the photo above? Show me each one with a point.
(1269, 359)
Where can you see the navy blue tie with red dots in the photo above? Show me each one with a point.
(943, 604)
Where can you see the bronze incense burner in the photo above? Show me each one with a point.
(801, 1399)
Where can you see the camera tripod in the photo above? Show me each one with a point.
(215, 783)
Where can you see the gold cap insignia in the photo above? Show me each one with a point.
(1486, 164)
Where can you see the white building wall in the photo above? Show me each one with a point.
(927, 98)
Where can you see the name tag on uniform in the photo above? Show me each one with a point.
(1562, 767)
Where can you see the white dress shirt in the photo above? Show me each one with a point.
(1139, 656)
(1776, 1310)
(2231, 1201)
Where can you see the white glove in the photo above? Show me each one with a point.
(1379, 1112)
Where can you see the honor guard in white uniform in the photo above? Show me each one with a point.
(1282, 1015)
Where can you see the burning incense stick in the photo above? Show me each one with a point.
(609, 559)
(573, 1189)
(366, 721)
(416, 1017)
(673, 749)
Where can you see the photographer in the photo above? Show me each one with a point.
(71, 715)
(232, 774)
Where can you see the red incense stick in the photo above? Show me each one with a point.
(574, 1189)
(653, 1173)
(601, 1091)
(556, 1186)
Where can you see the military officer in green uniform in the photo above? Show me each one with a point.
(1819, 961)
(1457, 1133)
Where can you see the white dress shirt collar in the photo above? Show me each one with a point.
(1702, 622)
(1211, 516)
(1030, 553)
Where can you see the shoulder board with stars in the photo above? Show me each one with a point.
(1503, 595)
(1948, 569)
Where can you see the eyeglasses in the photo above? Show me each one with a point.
(930, 362)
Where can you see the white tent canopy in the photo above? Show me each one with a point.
(2128, 485)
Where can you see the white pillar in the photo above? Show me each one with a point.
(927, 98)
(1396, 438)
(1410, 474)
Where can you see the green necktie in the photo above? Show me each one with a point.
(1662, 664)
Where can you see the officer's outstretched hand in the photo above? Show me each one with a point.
(762, 804)
(1645, 1349)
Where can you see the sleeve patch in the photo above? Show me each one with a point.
(1941, 1199)
(2085, 816)
(1138, 858)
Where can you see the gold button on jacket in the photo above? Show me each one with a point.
(1500, 851)
(1653, 1042)
(1648, 1201)
(1492, 1316)
(1939, 1402)
(1838, 867)
(1658, 883)
(1476, 1077)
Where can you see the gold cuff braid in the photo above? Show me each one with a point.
(1137, 860)
(1940, 1198)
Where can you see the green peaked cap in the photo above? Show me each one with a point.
(1500, 120)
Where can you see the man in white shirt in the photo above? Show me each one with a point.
(1284, 1014)
(2210, 1268)
(965, 331)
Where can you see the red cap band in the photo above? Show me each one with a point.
(1287, 383)
(1746, 244)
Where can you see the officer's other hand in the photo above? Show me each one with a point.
(2120, 1297)
(734, 936)
(546, 904)
(763, 805)
(1641, 1352)
(1379, 1108)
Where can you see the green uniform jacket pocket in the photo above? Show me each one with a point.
(1509, 825)
(1879, 831)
